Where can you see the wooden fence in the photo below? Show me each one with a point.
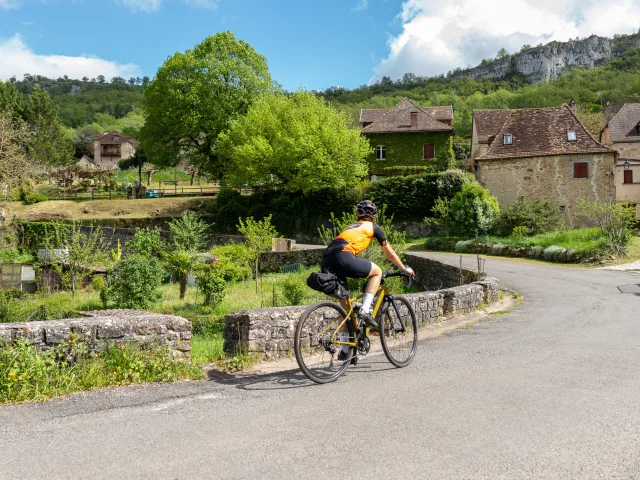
(119, 195)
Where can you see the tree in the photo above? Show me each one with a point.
(183, 262)
(138, 160)
(14, 166)
(194, 96)
(100, 78)
(85, 79)
(48, 143)
(118, 80)
(259, 236)
(132, 80)
(145, 81)
(77, 252)
(295, 142)
(502, 53)
(188, 232)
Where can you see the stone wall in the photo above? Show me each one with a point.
(550, 178)
(106, 327)
(272, 262)
(268, 332)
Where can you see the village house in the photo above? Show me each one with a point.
(622, 134)
(542, 153)
(110, 148)
(408, 135)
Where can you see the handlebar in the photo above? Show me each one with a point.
(390, 273)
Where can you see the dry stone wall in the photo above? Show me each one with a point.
(268, 332)
(99, 329)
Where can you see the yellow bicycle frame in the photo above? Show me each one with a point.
(383, 291)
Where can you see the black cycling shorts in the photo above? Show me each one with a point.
(346, 264)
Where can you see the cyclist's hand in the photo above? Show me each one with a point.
(410, 271)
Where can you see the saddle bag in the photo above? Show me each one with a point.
(329, 284)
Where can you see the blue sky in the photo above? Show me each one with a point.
(308, 43)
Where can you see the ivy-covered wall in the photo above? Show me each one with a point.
(407, 149)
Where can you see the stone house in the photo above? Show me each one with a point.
(110, 148)
(543, 153)
(408, 135)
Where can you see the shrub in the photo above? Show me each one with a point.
(497, 248)
(463, 246)
(537, 251)
(451, 182)
(34, 198)
(474, 210)
(615, 220)
(235, 262)
(210, 280)
(293, 289)
(432, 243)
(520, 232)
(554, 253)
(97, 284)
(146, 242)
(188, 232)
(133, 282)
(24, 190)
(536, 215)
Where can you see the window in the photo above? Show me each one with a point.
(571, 136)
(581, 170)
(381, 152)
(414, 119)
(428, 151)
(628, 176)
(508, 139)
(116, 137)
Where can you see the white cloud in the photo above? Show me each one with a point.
(362, 5)
(10, 4)
(209, 4)
(145, 6)
(18, 59)
(440, 35)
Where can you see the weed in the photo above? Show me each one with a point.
(498, 312)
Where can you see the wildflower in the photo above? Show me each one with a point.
(13, 373)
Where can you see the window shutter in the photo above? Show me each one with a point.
(429, 151)
(628, 176)
(581, 170)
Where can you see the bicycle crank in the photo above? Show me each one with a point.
(364, 345)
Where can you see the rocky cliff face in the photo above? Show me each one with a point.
(544, 63)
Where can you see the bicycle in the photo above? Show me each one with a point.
(316, 341)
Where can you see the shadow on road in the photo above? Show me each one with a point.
(292, 378)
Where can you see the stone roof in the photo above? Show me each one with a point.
(112, 138)
(398, 119)
(625, 125)
(538, 132)
(489, 122)
(442, 113)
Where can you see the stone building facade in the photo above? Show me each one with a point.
(408, 135)
(546, 154)
(110, 148)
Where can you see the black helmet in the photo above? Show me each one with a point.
(366, 208)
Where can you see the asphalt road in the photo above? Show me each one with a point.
(551, 390)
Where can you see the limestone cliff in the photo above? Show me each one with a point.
(546, 62)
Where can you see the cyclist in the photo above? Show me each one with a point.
(341, 258)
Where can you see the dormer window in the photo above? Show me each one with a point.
(116, 137)
(571, 136)
(507, 139)
(414, 119)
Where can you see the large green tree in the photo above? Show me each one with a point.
(49, 144)
(193, 97)
(296, 142)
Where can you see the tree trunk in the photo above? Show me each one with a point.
(149, 173)
(183, 285)
(193, 176)
(140, 173)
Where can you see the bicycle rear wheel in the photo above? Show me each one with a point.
(315, 342)
(399, 344)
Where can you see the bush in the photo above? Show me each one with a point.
(537, 251)
(234, 262)
(210, 280)
(615, 220)
(97, 284)
(554, 253)
(520, 232)
(497, 248)
(451, 182)
(432, 243)
(474, 210)
(536, 215)
(463, 246)
(133, 282)
(146, 242)
(34, 198)
(188, 232)
(294, 290)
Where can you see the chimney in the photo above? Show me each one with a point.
(414, 119)
(572, 105)
(490, 139)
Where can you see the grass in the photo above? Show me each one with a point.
(580, 240)
(499, 312)
(167, 175)
(28, 375)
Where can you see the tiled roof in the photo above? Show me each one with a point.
(540, 132)
(442, 114)
(611, 111)
(109, 138)
(489, 122)
(398, 119)
(623, 126)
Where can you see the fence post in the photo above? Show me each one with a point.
(182, 192)
(200, 190)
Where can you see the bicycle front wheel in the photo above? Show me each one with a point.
(315, 342)
(399, 332)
